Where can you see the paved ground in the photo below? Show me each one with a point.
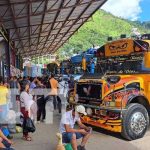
(45, 139)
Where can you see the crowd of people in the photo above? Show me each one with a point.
(23, 95)
(29, 97)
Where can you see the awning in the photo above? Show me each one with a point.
(39, 27)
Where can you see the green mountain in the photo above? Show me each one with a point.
(97, 30)
(146, 25)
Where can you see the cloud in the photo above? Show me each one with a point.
(127, 9)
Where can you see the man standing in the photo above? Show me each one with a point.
(54, 90)
(14, 86)
(84, 64)
(33, 83)
(69, 134)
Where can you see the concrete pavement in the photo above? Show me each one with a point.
(45, 139)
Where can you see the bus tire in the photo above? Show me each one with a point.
(135, 122)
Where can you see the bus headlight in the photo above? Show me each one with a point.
(89, 111)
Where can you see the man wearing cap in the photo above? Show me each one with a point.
(69, 134)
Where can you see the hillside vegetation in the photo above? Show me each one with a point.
(96, 31)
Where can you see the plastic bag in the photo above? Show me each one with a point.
(5, 131)
(68, 147)
(29, 125)
(18, 129)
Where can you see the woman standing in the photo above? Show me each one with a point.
(26, 100)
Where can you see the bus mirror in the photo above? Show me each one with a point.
(147, 59)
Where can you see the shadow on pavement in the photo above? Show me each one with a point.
(109, 133)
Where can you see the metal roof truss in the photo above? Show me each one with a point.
(38, 27)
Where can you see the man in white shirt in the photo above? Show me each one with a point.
(69, 134)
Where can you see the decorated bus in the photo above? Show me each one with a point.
(117, 97)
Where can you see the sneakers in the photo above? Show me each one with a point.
(81, 147)
(42, 121)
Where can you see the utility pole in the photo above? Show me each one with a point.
(38, 60)
(42, 60)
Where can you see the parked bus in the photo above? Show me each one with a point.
(117, 97)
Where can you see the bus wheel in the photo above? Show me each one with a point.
(135, 122)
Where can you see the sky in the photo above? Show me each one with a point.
(129, 9)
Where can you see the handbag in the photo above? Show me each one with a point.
(29, 125)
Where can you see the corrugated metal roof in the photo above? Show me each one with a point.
(39, 27)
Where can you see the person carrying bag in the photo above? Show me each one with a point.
(27, 102)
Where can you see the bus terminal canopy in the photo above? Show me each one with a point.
(38, 27)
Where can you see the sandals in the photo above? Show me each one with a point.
(27, 138)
